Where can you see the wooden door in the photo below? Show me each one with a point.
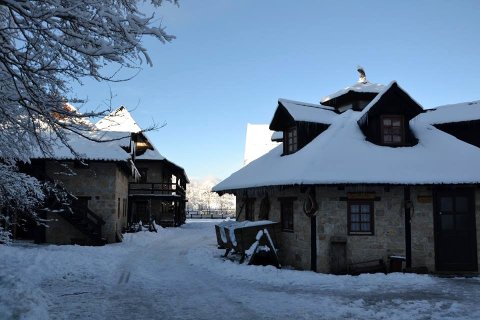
(455, 231)
(141, 212)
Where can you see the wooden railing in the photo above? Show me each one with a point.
(155, 189)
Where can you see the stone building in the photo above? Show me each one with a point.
(117, 178)
(96, 185)
(369, 176)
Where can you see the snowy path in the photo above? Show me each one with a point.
(178, 274)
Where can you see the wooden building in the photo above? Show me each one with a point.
(367, 176)
(160, 193)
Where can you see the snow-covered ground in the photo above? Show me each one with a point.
(179, 274)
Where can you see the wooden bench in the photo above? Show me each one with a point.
(369, 266)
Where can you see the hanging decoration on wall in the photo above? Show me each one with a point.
(310, 205)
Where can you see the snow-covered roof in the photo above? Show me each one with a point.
(465, 111)
(258, 142)
(110, 149)
(122, 120)
(376, 99)
(151, 155)
(360, 86)
(364, 113)
(118, 120)
(277, 136)
(341, 155)
(302, 111)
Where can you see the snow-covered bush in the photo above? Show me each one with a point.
(45, 46)
(18, 192)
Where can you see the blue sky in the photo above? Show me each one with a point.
(233, 59)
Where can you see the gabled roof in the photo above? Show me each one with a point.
(459, 112)
(122, 120)
(392, 88)
(150, 154)
(358, 87)
(341, 155)
(118, 120)
(289, 111)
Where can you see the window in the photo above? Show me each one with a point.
(143, 175)
(118, 208)
(291, 140)
(360, 217)
(124, 207)
(83, 201)
(250, 209)
(392, 129)
(286, 211)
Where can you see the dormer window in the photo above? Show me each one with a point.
(392, 130)
(291, 140)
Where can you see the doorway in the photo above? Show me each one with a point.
(455, 231)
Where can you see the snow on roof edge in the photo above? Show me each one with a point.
(306, 104)
(375, 88)
(469, 111)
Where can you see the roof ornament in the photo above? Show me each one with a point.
(361, 73)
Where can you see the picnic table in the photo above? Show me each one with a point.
(254, 241)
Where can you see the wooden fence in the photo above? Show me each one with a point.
(211, 214)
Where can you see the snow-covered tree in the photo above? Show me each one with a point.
(45, 46)
(200, 197)
(18, 192)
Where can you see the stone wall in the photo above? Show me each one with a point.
(121, 194)
(389, 232)
(103, 182)
(423, 241)
(389, 225)
(294, 246)
(60, 231)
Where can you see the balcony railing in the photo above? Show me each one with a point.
(155, 189)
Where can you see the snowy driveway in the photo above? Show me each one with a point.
(178, 274)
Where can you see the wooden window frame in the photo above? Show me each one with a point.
(383, 126)
(371, 232)
(287, 201)
(292, 133)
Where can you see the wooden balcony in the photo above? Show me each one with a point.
(156, 189)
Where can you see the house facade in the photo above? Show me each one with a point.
(116, 179)
(369, 175)
(91, 207)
